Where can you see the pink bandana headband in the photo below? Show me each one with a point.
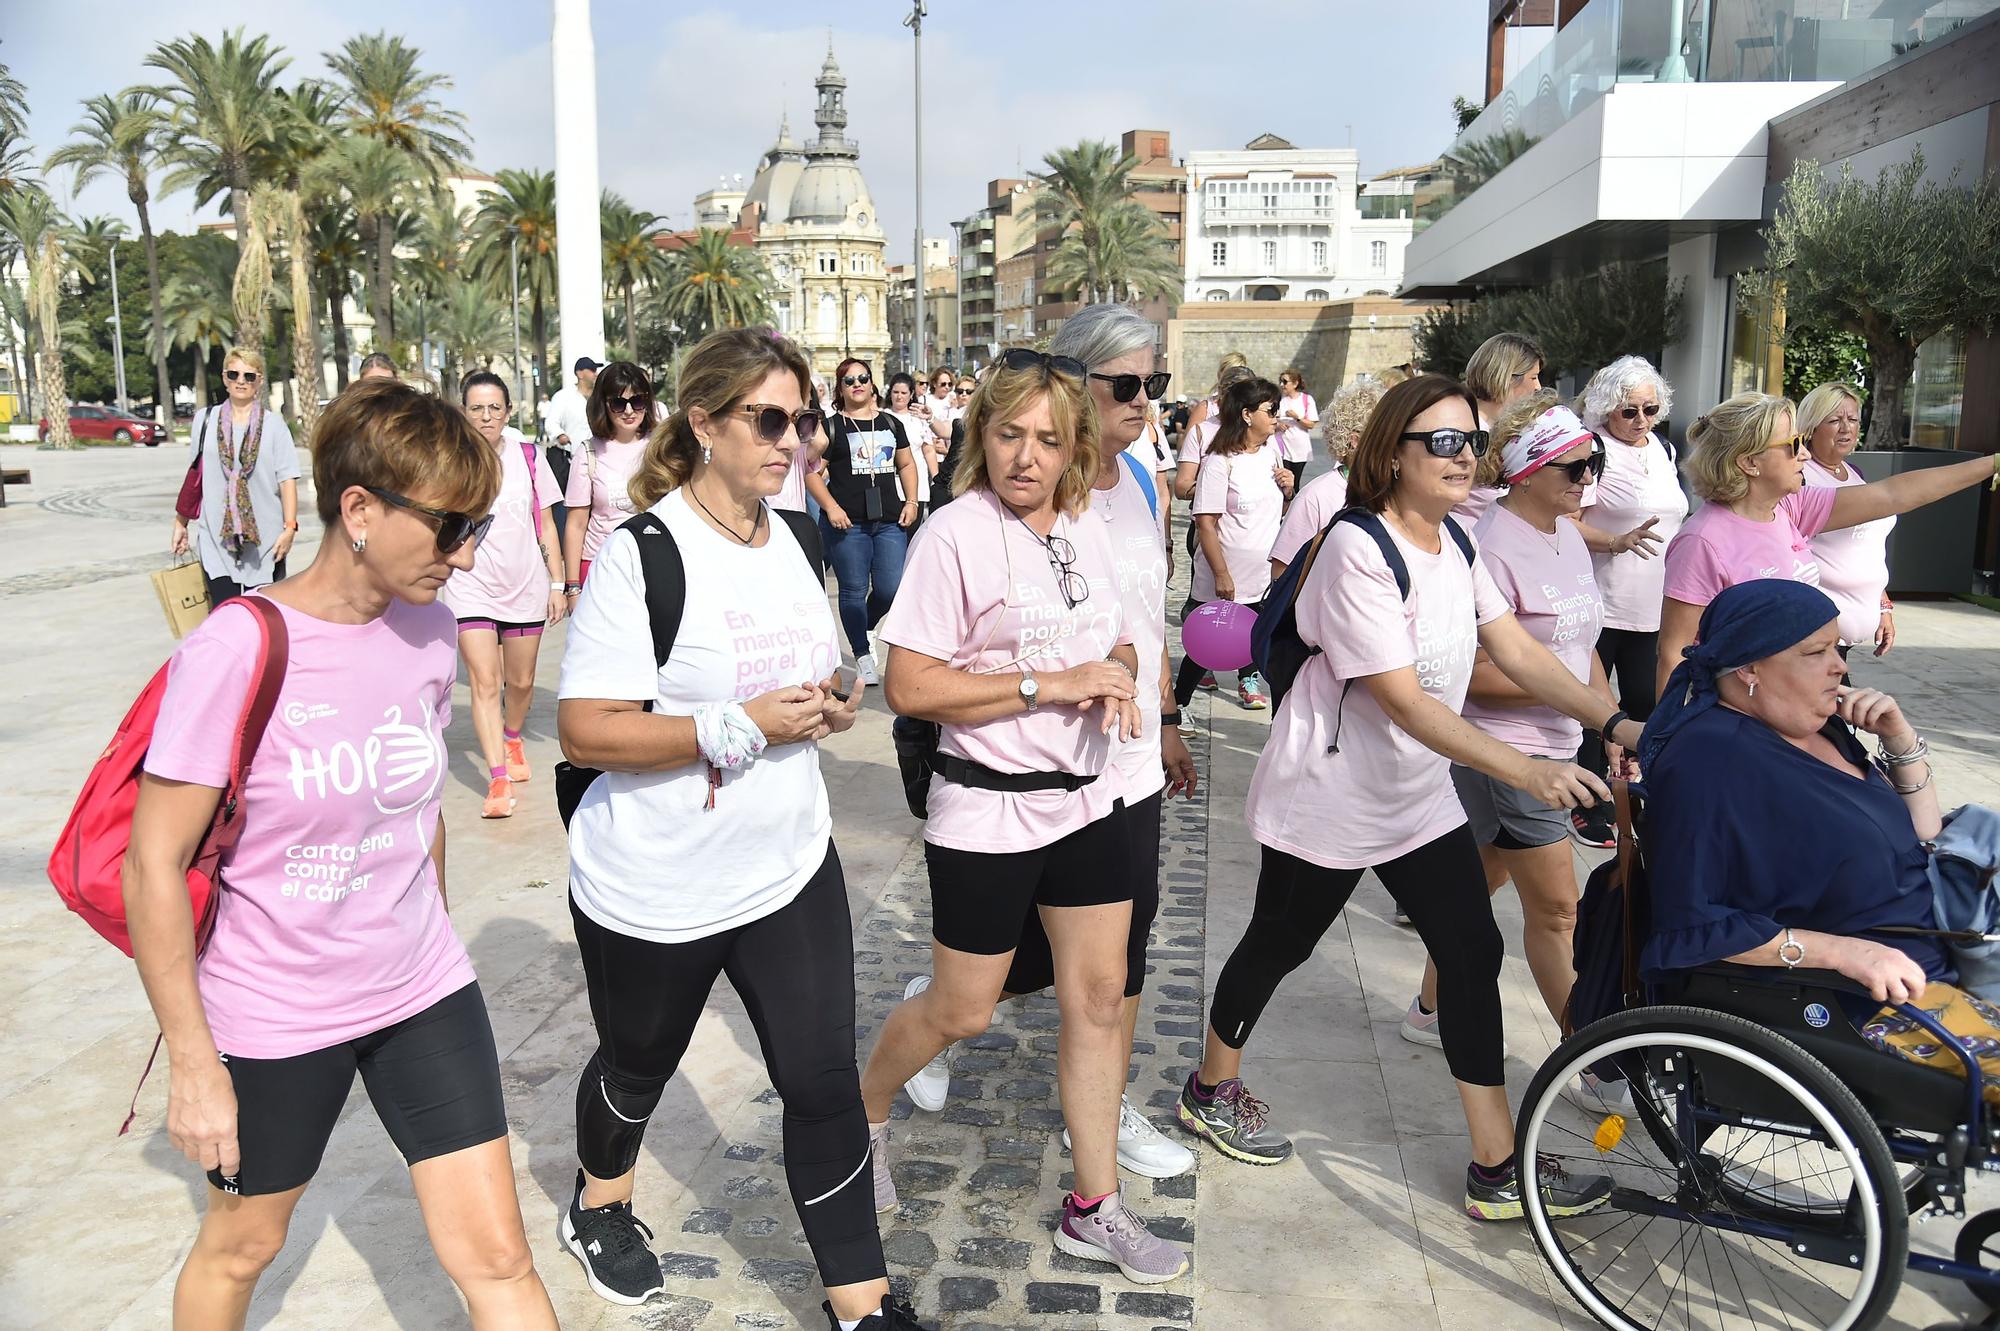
(1549, 436)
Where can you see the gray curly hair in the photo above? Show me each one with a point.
(1610, 386)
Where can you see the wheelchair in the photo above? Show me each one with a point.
(1768, 1165)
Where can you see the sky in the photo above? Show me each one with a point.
(689, 93)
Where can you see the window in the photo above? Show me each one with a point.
(1378, 256)
(861, 314)
(784, 316)
(1218, 295)
(1270, 201)
(1319, 256)
(829, 313)
(1218, 254)
(1317, 293)
(1270, 255)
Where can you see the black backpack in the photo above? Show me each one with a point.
(665, 573)
(1275, 645)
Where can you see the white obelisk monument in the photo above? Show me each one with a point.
(579, 239)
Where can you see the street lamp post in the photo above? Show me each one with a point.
(514, 272)
(914, 21)
(117, 332)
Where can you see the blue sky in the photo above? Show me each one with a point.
(690, 92)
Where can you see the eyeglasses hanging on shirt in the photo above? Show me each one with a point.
(1073, 586)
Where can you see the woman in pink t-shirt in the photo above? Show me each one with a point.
(332, 953)
(513, 589)
(1356, 776)
(620, 411)
(1853, 562)
(1009, 632)
(1758, 516)
(1298, 416)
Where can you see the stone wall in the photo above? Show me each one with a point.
(1330, 343)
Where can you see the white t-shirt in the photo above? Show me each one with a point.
(1296, 440)
(569, 414)
(1242, 490)
(918, 431)
(1546, 579)
(647, 858)
(1639, 482)
(1139, 553)
(1150, 448)
(1196, 439)
(1853, 562)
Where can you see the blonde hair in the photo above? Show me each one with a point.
(1515, 417)
(1734, 430)
(1007, 395)
(1500, 360)
(717, 374)
(393, 436)
(1231, 360)
(1347, 413)
(1820, 404)
(254, 359)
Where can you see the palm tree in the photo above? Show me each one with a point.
(711, 285)
(473, 325)
(632, 257)
(122, 134)
(16, 166)
(336, 257)
(1081, 188)
(298, 154)
(393, 104)
(224, 110)
(31, 227)
(521, 208)
(376, 177)
(1134, 259)
(88, 248)
(198, 309)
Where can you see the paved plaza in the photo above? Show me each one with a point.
(1361, 1229)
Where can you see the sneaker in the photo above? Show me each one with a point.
(499, 799)
(1143, 1149)
(1251, 693)
(929, 1087)
(606, 1239)
(1232, 1121)
(517, 760)
(1561, 1194)
(1208, 680)
(1598, 1097)
(896, 1315)
(1593, 827)
(864, 669)
(1421, 1027)
(1113, 1234)
(878, 1159)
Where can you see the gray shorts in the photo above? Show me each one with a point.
(1507, 818)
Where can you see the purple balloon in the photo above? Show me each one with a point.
(1217, 635)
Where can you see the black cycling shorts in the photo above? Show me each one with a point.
(434, 1079)
(979, 899)
(1034, 967)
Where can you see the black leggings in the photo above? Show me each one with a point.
(1632, 658)
(1439, 885)
(794, 971)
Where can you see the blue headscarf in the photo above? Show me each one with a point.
(1746, 623)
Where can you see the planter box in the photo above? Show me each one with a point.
(1931, 549)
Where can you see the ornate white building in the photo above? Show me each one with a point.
(817, 230)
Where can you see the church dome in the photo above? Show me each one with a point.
(777, 176)
(830, 187)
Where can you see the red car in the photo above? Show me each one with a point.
(91, 422)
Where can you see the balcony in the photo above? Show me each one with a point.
(1214, 214)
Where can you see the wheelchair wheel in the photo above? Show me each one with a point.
(1979, 1245)
(1717, 1218)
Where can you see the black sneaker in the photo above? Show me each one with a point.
(606, 1239)
(1593, 827)
(1561, 1194)
(896, 1315)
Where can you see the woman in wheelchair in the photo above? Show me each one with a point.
(1775, 840)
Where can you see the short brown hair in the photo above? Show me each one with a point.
(1004, 396)
(1371, 476)
(386, 434)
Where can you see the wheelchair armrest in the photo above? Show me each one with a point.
(1782, 975)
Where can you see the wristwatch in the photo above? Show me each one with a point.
(1031, 690)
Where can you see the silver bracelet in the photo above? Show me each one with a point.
(1911, 790)
(1919, 752)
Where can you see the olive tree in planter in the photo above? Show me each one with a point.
(1895, 261)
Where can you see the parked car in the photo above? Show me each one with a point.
(93, 422)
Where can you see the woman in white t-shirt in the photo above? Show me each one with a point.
(1356, 776)
(1854, 561)
(1204, 421)
(600, 476)
(705, 846)
(1009, 633)
(923, 439)
(513, 589)
(1298, 417)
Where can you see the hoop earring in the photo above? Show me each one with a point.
(359, 543)
(1395, 469)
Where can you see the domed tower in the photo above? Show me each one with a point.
(822, 239)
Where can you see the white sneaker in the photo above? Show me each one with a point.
(864, 668)
(1421, 1027)
(1599, 1097)
(1142, 1149)
(931, 1086)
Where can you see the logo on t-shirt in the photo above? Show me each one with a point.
(871, 452)
(299, 713)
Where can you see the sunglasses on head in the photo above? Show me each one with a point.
(240, 376)
(453, 529)
(772, 422)
(852, 380)
(1027, 358)
(1125, 387)
(1449, 443)
(1650, 410)
(630, 402)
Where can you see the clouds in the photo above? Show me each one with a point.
(688, 93)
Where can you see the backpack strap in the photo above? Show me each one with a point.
(1145, 482)
(665, 576)
(1372, 524)
(273, 658)
(534, 490)
(806, 532)
(1465, 546)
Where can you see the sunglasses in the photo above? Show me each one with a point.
(1125, 387)
(1027, 358)
(630, 402)
(852, 380)
(1590, 467)
(453, 529)
(1449, 443)
(1650, 410)
(240, 376)
(1799, 445)
(772, 422)
(968, 389)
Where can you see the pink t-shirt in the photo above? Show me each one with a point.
(330, 925)
(1294, 441)
(1639, 482)
(1853, 562)
(978, 593)
(509, 579)
(1139, 553)
(1312, 508)
(1548, 581)
(1339, 784)
(1196, 439)
(1718, 549)
(1476, 505)
(1242, 490)
(600, 479)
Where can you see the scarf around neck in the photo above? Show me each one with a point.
(239, 514)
